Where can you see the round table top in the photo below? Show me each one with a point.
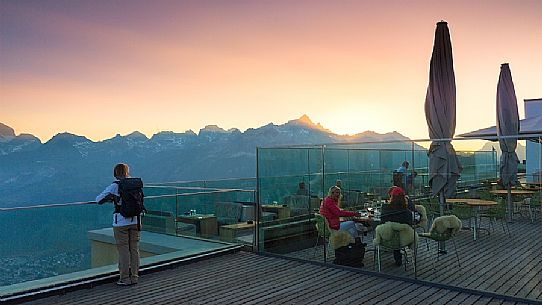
(473, 202)
(366, 219)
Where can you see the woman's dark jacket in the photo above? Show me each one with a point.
(400, 215)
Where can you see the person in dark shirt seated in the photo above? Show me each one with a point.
(301, 190)
(396, 211)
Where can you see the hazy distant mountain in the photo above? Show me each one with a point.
(520, 150)
(6, 132)
(71, 168)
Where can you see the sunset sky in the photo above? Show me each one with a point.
(98, 68)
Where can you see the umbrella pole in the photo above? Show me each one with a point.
(442, 200)
(509, 204)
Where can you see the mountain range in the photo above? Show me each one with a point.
(70, 168)
(520, 150)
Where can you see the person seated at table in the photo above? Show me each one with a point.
(301, 190)
(396, 211)
(410, 204)
(331, 211)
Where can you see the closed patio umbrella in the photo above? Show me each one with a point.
(507, 125)
(440, 101)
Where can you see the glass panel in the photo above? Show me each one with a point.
(45, 242)
(494, 253)
(75, 239)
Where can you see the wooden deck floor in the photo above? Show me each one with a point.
(248, 278)
(499, 263)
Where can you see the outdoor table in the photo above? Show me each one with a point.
(513, 192)
(282, 211)
(476, 204)
(366, 220)
(206, 224)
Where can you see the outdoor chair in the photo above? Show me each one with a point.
(392, 236)
(497, 213)
(228, 213)
(324, 232)
(462, 211)
(332, 238)
(444, 228)
(422, 224)
(165, 223)
(532, 206)
(432, 210)
(298, 204)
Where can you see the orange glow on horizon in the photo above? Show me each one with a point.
(352, 66)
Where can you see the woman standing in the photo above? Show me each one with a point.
(331, 211)
(125, 229)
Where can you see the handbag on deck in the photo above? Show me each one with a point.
(350, 255)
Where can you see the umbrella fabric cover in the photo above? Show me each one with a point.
(507, 125)
(444, 166)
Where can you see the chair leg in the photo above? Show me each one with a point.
(415, 257)
(377, 253)
(315, 247)
(407, 261)
(492, 221)
(404, 253)
(426, 242)
(456, 254)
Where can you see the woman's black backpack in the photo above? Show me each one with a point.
(131, 197)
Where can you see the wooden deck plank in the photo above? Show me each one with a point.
(496, 262)
(528, 278)
(416, 298)
(462, 299)
(269, 286)
(536, 292)
(505, 280)
(482, 301)
(227, 288)
(272, 281)
(394, 293)
(293, 286)
(167, 277)
(266, 269)
(492, 261)
(338, 292)
(486, 247)
(495, 302)
(266, 283)
(442, 296)
(337, 287)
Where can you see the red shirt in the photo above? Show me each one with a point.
(331, 212)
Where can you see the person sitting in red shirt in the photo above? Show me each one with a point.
(331, 211)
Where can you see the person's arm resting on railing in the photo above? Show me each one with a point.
(108, 195)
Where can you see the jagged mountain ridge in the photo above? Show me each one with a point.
(520, 150)
(70, 168)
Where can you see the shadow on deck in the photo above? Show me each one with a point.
(248, 278)
(495, 262)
